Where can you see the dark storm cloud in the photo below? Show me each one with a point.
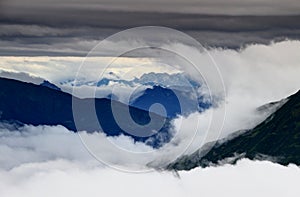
(32, 27)
(216, 7)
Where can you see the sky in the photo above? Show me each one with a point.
(254, 43)
(72, 28)
(230, 7)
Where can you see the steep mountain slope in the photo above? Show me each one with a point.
(39, 105)
(276, 139)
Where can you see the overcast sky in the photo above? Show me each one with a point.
(231, 7)
(74, 27)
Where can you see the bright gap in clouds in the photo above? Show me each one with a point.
(252, 69)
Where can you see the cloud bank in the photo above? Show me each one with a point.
(74, 31)
(51, 161)
(230, 7)
(64, 178)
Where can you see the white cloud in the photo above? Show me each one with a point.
(21, 76)
(65, 178)
(42, 143)
(58, 69)
(51, 161)
(254, 76)
(38, 144)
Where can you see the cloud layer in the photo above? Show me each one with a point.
(51, 161)
(230, 7)
(77, 27)
(65, 178)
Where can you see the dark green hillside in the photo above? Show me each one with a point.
(276, 139)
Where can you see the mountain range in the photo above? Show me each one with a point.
(27, 103)
(176, 92)
(276, 139)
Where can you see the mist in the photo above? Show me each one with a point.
(65, 178)
(251, 77)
